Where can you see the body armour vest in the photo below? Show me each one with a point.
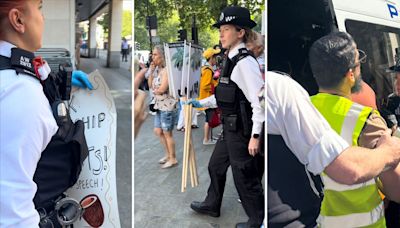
(61, 162)
(294, 194)
(230, 98)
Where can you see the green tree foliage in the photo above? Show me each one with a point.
(173, 15)
(104, 22)
(126, 23)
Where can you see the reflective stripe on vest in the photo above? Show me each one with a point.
(356, 205)
(374, 217)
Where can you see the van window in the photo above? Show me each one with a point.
(379, 43)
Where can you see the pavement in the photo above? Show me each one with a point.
(158, 200)
(119, 81)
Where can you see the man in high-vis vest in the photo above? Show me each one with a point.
(335, 62)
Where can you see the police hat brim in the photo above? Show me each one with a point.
(239, 22)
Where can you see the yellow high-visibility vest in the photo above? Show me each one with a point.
(358, 205)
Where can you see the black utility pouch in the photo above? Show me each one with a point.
(225, 94)
(230, 123)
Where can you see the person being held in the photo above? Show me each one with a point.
(207, 86)
(302, 145)
(242, 118)
(30, 130)
(336, 65)
(165, 105)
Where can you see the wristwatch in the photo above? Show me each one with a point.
(256, 136)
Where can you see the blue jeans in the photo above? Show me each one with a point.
(165, 120)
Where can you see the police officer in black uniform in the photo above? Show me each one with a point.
(242, 118)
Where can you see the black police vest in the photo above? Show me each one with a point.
(292, 202)
(230, 98)
(61, 162)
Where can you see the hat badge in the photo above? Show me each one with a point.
(229, 18)
(221, 17)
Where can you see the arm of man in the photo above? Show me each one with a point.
(357, 164)
(292, 115)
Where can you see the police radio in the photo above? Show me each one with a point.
(58, 90)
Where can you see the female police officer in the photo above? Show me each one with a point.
(242, 117)
(27, 124)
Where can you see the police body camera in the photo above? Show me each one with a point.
(65, 76)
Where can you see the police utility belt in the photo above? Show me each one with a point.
(236, 109)
(61, 162)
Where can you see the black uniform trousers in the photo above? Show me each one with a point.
(232, 149)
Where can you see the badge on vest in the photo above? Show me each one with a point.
(26, 62)
(224, 80)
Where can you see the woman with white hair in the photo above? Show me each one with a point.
(166, 109)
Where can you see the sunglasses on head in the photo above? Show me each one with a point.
(362, 58)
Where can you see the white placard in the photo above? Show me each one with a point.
(185, 68)
(183, 62)
(194, 70)
(174, 53)
(96, 187)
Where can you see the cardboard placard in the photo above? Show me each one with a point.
(183, 62)
(96, 188)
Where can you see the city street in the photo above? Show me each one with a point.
(119, 81)
(158, 200)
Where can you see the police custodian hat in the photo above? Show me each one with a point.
(235, 15)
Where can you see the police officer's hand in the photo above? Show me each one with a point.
(80, 79)
(195, 103)
(254, 146)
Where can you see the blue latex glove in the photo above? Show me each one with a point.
(80, 79)
(195, 103)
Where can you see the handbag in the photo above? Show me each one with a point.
(214, 119)
(151, 105)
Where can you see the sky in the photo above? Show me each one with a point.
(127, 4)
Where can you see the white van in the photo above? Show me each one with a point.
(293, 25)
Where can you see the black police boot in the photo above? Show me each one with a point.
(202, 208)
